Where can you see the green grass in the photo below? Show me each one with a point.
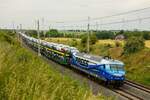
(24, 76)
(137, 65)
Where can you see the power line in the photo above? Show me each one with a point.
(123, 13)
(115, 22)
(132, 20)
(104, 17)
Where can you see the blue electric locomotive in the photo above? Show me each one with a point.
(105, 68)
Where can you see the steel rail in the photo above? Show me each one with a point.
(138, 86)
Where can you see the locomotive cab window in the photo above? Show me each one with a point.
(107, 67)
(115, 67)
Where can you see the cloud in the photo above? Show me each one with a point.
(25, 11)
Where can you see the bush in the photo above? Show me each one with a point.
(105, 35)
(93, 39)
(54, 33)
(32, 33)
(74, 42)
(146, 35)
(133, 45)
(117, 44)
(83, 40)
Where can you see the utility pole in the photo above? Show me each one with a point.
(49, 27)
(38, 31)
(96, 26)
(123, 23)
(49, 30)
(19, 36)
(43, 27)
(20, 27)
(88, 39)
(35, 24)
(17, 32)
(64, 30)
(13, 27)
(140, 21)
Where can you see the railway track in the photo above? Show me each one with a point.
(134, 91)
(139, 86)
(127, 95)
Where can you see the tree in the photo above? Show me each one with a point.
(54, 33)
(105, 35)
(133, 45)
(93, 39)
(83, 40)
(74, 42)
(32, 33)
(146, 35)
(121, 32)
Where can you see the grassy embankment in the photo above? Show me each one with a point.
(137, 65)
(24, 76)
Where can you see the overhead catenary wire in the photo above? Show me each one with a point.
(77, 21)
(98, 22)
(109, 23)
(100, 18)
(128, 21)
(123, 13)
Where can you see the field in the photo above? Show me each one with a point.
(25, 76)
(137, 65)
(147, 43)
(112, 42)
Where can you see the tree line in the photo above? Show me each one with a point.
(99, 34)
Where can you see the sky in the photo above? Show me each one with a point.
(26, 12)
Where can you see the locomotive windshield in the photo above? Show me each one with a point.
(115, 67)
